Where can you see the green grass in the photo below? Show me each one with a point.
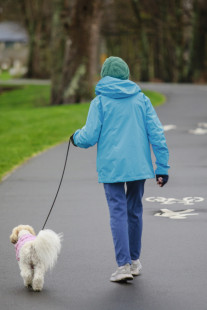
(24, 97)
(5, 75)
(29, 125)
(156, 98)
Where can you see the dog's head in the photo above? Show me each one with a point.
(16, 231)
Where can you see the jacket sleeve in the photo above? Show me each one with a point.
(157, 139)
(89, 134)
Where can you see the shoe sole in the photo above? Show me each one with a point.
(122, 280)
(136, 271)
(135, 274)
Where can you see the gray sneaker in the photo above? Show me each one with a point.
(136, 267)
(122, 273)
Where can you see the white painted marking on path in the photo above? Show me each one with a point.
(176, 215)
(200, 130)
(169, 127)
(204, 125)
(170, 201)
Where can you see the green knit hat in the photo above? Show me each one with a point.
(115, 67)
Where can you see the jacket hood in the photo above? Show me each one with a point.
(116, 88)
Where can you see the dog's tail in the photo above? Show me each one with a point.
(47, 246)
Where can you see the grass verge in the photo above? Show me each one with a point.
(29, 125)
(5, 75)
(156, 98)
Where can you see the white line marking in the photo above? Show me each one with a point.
(175, 215)
(204, 125)
(170, 201)
(198, 131)
(169, 127)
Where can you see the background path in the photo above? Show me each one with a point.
(174, 255)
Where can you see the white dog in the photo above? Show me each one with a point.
(35, 254)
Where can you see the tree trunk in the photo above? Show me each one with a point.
(36, 17)
(73, 79)
(57, 52)
(81, 53)
(197, 59)
(94, 43)
(144, 46)
(179, 33)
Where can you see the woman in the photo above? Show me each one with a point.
(123, 123)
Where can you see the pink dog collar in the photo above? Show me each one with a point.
(25, 238)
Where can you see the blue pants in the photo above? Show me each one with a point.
(125, 208)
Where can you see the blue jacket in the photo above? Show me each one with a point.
(123, 123)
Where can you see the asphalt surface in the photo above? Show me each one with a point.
(174, 253)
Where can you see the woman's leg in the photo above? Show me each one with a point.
(116, 198)
(134, 194)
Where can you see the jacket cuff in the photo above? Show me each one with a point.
(72, 140)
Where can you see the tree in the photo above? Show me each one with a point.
(37, 20)
(144, 45)
(35, 17)
(198, 47)
(73, 74)
(161, 40)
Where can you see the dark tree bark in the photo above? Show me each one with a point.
(144, 45)
(35, 16)
(58, 43)
(76, 78)
(37, 21)
(179, 41)
(197, 59)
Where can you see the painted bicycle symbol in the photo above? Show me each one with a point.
(169, 201)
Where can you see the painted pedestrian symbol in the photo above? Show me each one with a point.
(176, 215)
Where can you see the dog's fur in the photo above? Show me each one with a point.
(36, 256)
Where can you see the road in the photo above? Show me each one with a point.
(174, 255)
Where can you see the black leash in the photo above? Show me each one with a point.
(59, 185)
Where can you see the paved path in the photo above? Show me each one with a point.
(174, 255)
(25, 82)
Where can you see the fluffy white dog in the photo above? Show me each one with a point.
(35, 254)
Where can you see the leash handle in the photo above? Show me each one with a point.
(58, 186)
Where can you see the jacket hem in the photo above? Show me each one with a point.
(125, 179)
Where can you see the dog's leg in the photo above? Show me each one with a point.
(26, 274)
(38, 279)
